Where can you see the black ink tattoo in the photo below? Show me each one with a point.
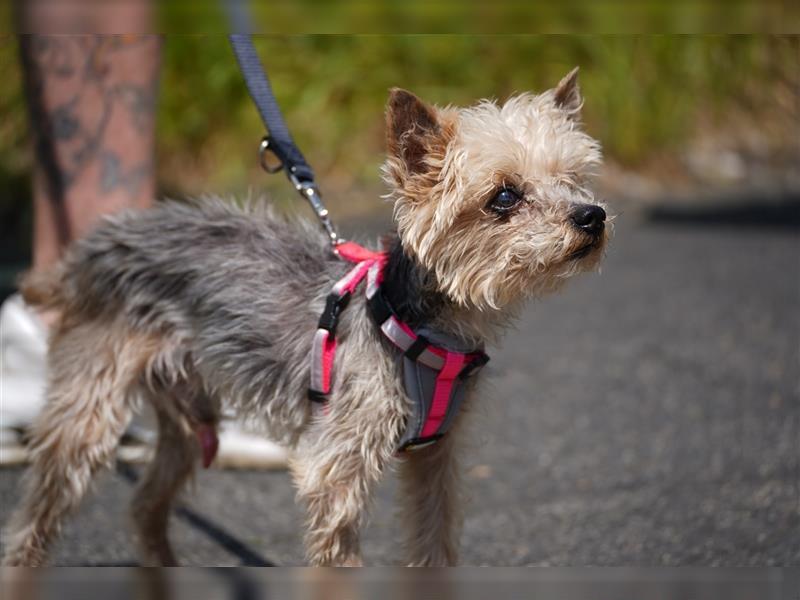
(139, 101)
(112, 175)
(87, 59)
(65, 122)
(43, 136)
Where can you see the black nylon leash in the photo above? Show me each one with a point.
(279, 140)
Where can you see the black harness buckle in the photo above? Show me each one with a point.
(473, 366)
(334, 305)
(317, 397)
(417, 348)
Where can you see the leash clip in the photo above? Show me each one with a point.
(310, 191)
(307, 188)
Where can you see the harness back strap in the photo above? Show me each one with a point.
(324, 346)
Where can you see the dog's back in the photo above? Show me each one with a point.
(146, 262)
(238, 286)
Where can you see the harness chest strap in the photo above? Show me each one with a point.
(323, 348)
(433, 413)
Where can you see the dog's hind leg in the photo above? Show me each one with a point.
(180, 409)
(92, 367)
(171, 466)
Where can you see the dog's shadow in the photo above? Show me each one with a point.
(215, 532)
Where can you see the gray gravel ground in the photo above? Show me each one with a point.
(646, 416)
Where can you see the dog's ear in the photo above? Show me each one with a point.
(567, 94)
(411, 128)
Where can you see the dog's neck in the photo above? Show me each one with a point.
(409, 287)
(414, 294)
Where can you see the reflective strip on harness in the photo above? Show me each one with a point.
(349, 282)
(322, 352)
(401, 336)
(374, 276)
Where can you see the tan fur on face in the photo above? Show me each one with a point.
(532, 142)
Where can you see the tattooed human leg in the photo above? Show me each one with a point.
(91, 101)
(92, 108)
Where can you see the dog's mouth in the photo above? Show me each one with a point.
(584, 251)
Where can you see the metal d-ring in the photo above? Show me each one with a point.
(263, 147)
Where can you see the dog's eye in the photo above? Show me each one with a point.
(505, 200)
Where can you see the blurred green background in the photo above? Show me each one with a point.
(646, 96)
(653, 101)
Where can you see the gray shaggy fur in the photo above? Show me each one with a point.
(238, 291)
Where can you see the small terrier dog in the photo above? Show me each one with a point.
(203, 306)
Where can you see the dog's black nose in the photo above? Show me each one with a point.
(589, 218)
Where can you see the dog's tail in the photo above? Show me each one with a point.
(44, 288)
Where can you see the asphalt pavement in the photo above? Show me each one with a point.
(648, 415)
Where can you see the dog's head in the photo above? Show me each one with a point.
(492, 199)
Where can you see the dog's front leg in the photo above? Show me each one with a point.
(431, 504)
(335, 474)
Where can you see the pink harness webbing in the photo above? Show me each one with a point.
(323, 350)
(447, 364)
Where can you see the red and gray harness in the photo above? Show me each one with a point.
(434, 366)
